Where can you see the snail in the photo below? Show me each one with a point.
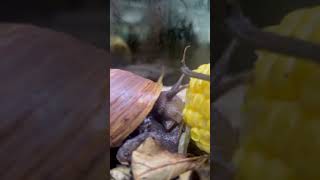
(137, 102)
(132, 98)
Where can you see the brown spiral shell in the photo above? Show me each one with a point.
(132, 97)
(53, 106)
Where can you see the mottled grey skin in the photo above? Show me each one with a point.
(149, 128)
(169, 109)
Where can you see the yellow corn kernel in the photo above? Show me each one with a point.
(196, 112)
(281, 109)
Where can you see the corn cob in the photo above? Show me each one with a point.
(197, 109)
(282, 110)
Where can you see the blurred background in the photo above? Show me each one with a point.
(146, 35)
(84, 19)
(261, 14)
(46, 143)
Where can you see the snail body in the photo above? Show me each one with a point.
(134, 100)
(149, 128)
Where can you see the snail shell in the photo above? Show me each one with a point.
(132, 97)
(52, 107)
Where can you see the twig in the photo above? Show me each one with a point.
(248, 33)
(222, 64)
(185, 69)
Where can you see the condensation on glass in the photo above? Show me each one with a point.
(157, 31)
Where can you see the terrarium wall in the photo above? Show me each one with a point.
(148, 34)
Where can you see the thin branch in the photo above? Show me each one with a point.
(188, 72)
(248, 33)
(185, 69)
(222, 64)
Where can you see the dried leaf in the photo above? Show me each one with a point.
(151, 161)
(202, 173)
(185, 176)
(121, 173)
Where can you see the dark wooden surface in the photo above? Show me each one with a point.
(53, 106)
